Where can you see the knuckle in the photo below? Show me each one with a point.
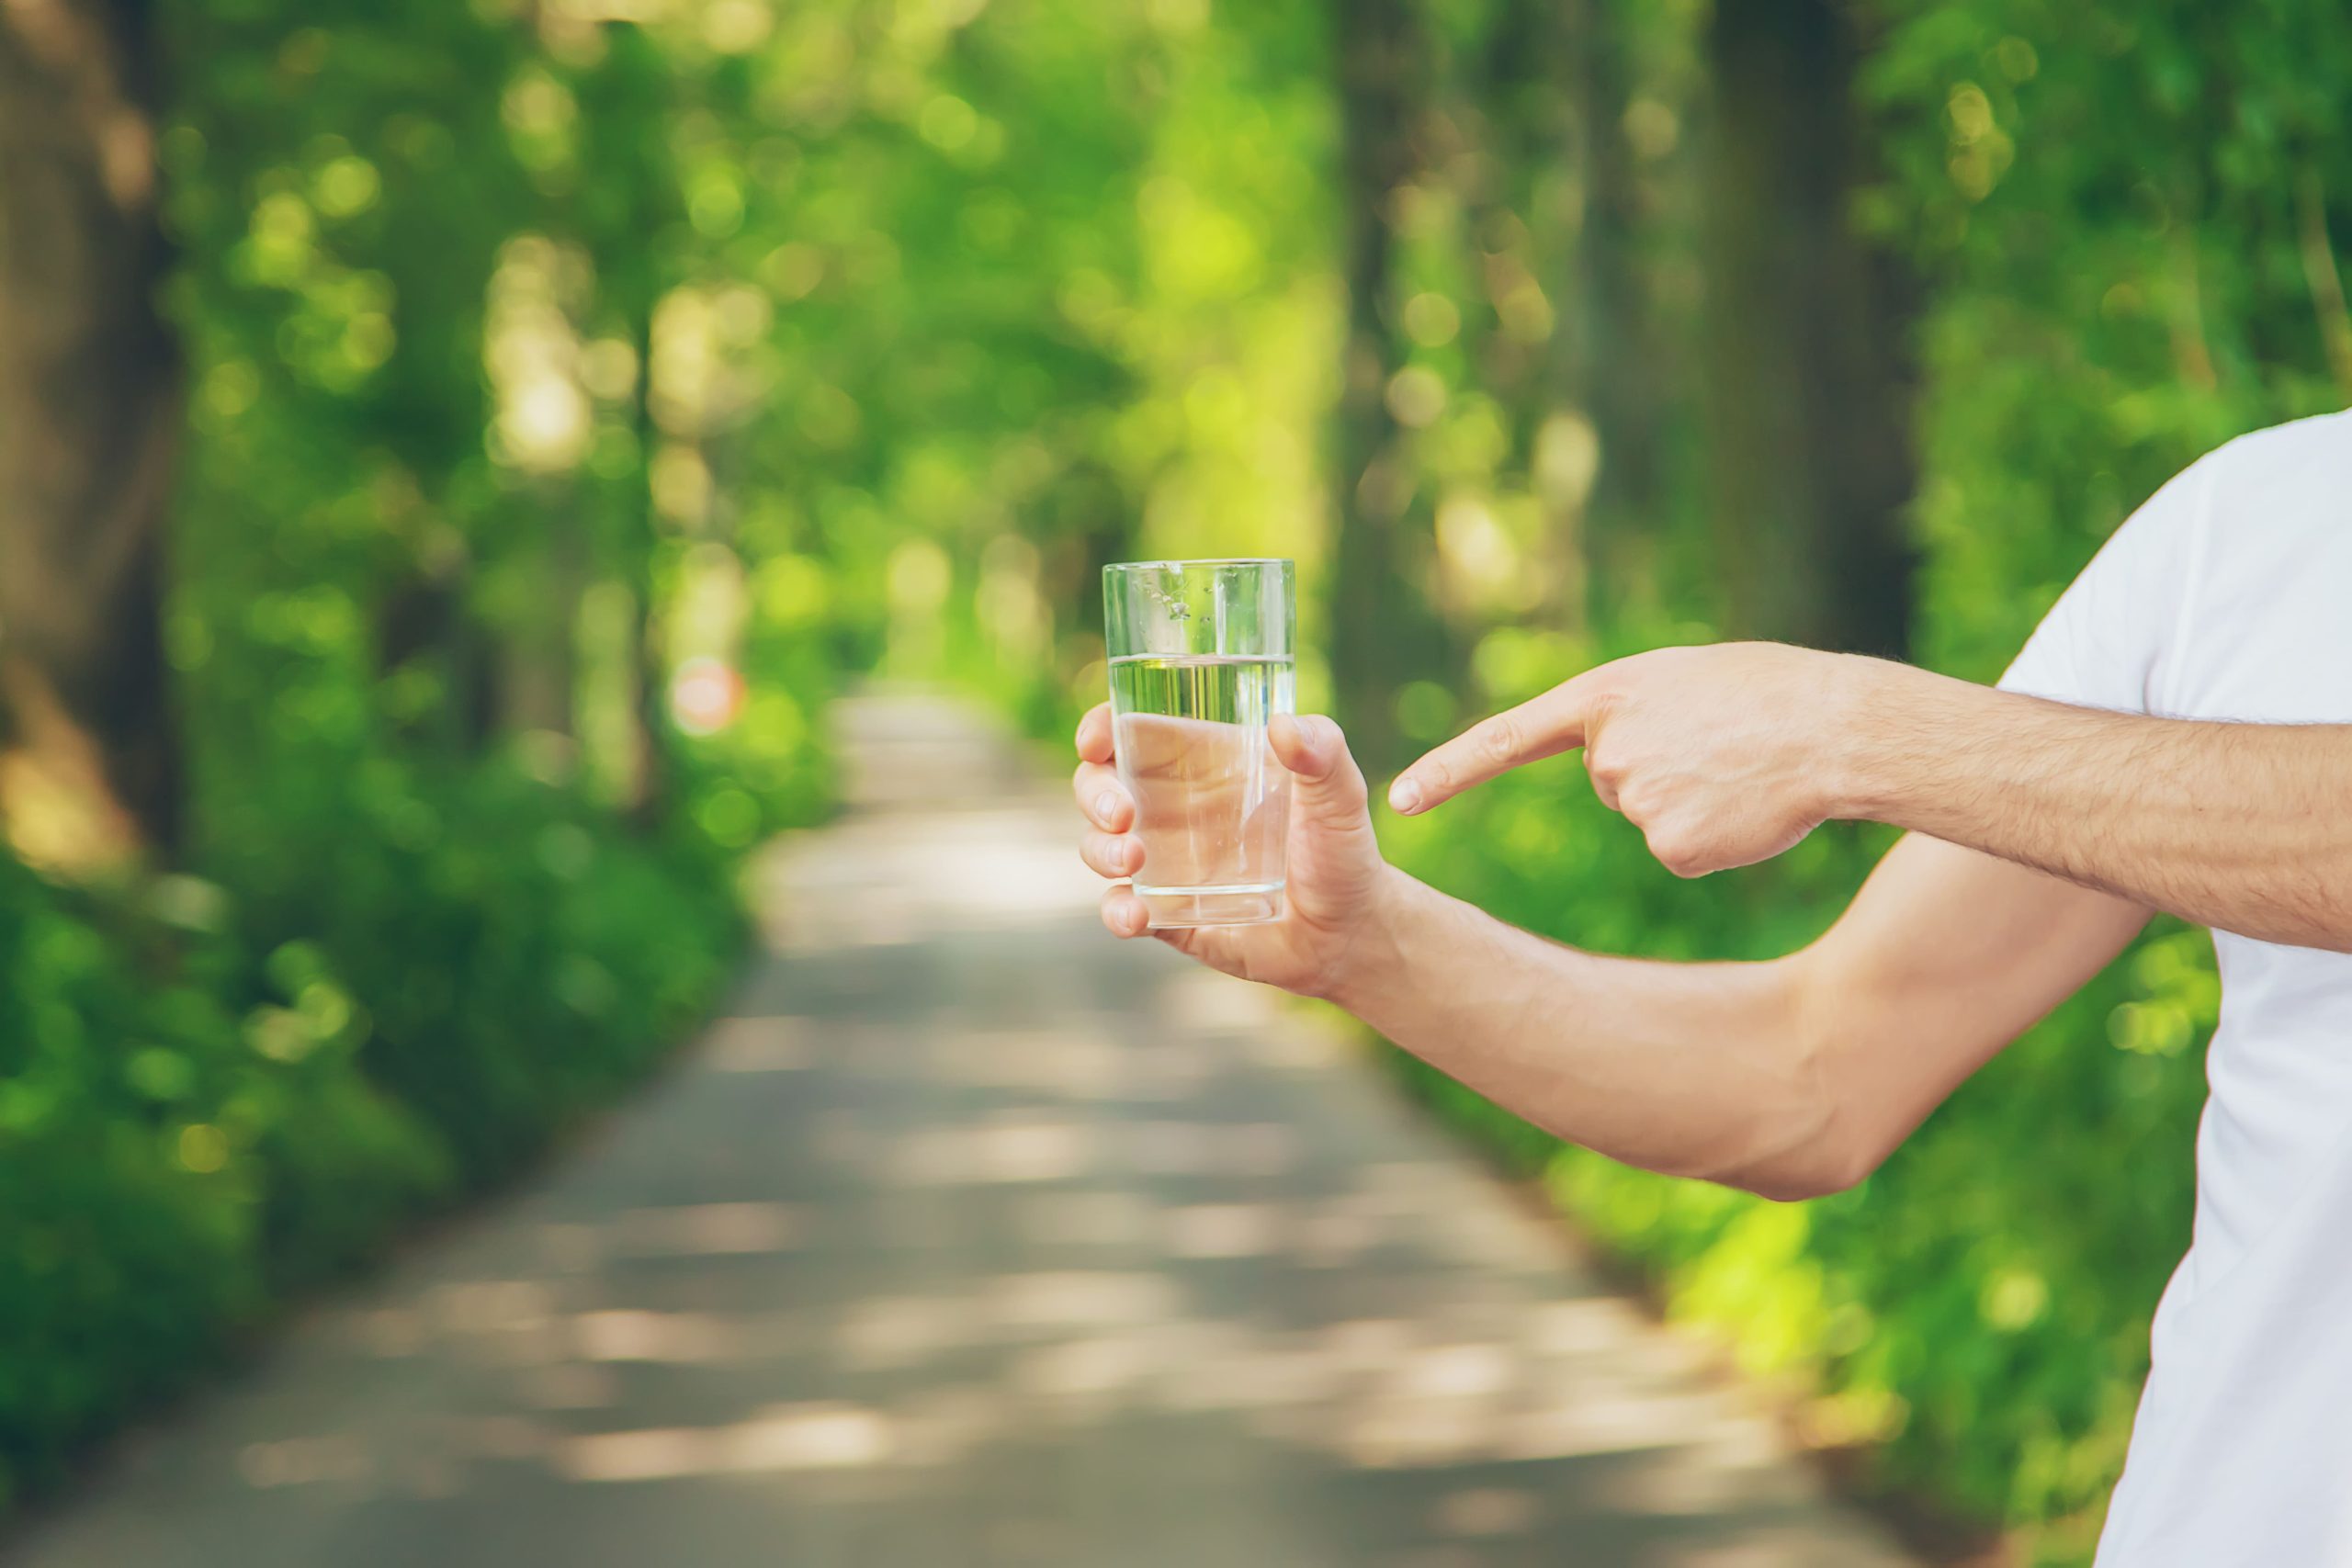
(1499, 738)
(1678, 851)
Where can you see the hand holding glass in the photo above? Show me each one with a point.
(1201, 659)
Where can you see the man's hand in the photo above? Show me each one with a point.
(1336, 879)
(1793, 1077)
(1723, 755)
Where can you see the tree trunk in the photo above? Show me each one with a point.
(1385, 631)
(89, 421)
(619, 218)
(1617, 371)
(539, 675)
(650, 712)
(1528, 211)
(425, 620)
(1589, 405)
(1808, 406)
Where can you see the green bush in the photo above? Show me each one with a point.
(516, 957)
(167, 1154)
(241, 1087)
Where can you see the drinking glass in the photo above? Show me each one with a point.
(1201, 658)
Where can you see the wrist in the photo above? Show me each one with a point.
(1377, 943)
(1873, 703)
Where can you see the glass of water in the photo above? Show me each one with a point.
(1201, 659)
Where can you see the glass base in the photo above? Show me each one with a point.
(1175, 909)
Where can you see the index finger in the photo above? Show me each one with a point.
(1540, 728)
(1094, 743)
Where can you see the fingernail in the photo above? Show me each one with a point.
(1405, 796)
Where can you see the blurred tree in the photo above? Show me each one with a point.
(1385, 632)
(1618, 362)
(627, 215)
(1529, 222)
(89, 424)
(1806, 385)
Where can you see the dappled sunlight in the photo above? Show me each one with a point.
(1068, 1063)
(651, 1337)
(297, 1462)
(1198, 1000)
(1206, 1148)
(493, 1306)
(1225, 1230)
(567, 1386)
(900, 1331)
(1017, 1149)
(1087, 1220)
(756, 1045)
(893, 874)
(810, 1437)
(875, 889)
(1081, 1299)
(706, 1229)
(1011, 1147)
(1060, 1350)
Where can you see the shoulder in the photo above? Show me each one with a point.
(2304, 460)
(2277, 485)
(2221, 541)
(2264, 580)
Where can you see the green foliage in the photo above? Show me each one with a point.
(453, 875)
(178, 1134)
(518, 959)
(212, 1100)
(1050, 287)
(2126, 215)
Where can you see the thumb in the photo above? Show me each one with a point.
(1329, 788)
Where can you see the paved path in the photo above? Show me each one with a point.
(971, 1238)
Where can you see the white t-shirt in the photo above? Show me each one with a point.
(2229, 596)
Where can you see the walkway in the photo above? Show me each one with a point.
(970, 1238)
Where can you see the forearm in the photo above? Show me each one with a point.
(1696, 1069)
(2244, 827)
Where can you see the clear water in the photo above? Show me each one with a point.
(1212, 804)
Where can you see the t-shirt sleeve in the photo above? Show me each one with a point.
(2110, 639)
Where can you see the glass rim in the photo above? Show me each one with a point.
(1204, 560)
